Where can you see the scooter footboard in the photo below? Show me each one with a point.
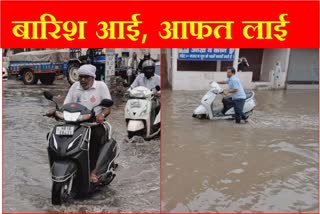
(108, 154)
(63, 170)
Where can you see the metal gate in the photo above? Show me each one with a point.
(303, 66)
(254, 57)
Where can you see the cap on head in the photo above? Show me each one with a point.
(87, 70)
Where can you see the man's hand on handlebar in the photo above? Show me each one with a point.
(51, 113)
(100, 118)
(157, 94)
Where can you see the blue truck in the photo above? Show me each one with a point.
(45, 65)
(39, 65)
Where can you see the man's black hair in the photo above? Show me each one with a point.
(232, 69)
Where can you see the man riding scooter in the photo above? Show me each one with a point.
(150, 80)
(147, 78)
(235, 96)
(89, 93)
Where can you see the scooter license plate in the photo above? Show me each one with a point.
(64, 130)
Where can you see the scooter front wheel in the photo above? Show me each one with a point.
(59, 192)
(199, 116)
(137, 133)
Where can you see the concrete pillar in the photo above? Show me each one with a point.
(218, 66)
(236, 58)
(109, 65)
(174, 65)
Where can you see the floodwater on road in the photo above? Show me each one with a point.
(27, 180)
(267, 165)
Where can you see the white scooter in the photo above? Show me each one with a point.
(138, 113)
(206, 111)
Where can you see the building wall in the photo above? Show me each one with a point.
(169, 66)
(303, 66)
(164, 69)
(269, 60)
(155, 52)
(199, 80)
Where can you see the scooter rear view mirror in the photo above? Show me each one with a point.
(106, 103)
(48, 95)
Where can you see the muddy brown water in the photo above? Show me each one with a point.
(269, 164)
(27, 182)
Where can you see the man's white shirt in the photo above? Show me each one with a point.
(90, 97)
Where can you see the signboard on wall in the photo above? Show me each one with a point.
(206, 54)
(110, 62)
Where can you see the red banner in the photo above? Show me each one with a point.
(159, 24)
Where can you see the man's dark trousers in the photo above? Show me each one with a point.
(238, 109)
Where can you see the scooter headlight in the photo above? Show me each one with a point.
(71, 117)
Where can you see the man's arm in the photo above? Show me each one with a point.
(233, 88)
(68, 98)
(231, 91)
(105, 110)
(135, 82)
(156, 83)
(104, 113)
(221, 82)
(140, 64)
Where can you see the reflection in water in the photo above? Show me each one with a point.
(27, 180)
(268, 164)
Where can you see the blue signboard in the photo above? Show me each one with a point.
(206, 54)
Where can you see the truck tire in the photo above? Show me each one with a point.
(29, 77)
(72, 73)
(47, 79)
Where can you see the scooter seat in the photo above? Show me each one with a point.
(249, 95)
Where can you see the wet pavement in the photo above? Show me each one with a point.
(269, 164)
(27, 181)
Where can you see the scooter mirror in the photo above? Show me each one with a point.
(158, 88)
(48, 95)
(106, 103)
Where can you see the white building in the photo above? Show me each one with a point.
(126, 53)
(269, 68)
